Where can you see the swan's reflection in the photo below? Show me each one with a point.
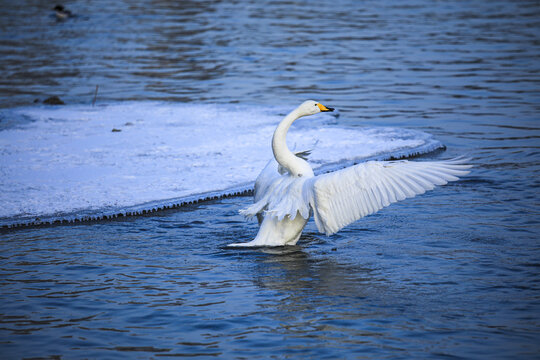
(314, 290)
(318, 295)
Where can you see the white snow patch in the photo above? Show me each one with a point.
(67, 160)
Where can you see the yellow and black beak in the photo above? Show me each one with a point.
(324, 108)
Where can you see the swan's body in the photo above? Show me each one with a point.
(287, 192)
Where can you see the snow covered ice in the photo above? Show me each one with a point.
(65, 162)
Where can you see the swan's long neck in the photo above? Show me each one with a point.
(279, 145)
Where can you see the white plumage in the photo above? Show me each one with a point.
(344, 196)
(287, 192)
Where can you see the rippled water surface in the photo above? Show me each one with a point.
(452, 273)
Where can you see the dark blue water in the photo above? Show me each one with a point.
(452, 273)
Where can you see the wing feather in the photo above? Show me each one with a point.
(344, 196)
(265, 179)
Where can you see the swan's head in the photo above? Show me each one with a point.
(311, 107)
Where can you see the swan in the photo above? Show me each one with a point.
(287, 192)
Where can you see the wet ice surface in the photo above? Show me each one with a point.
(452, 273)
(71, 160)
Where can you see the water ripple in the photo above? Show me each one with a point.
(453, 273)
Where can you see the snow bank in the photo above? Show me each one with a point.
(67, 163)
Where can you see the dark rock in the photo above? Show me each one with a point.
(116, 130)
(53, 100)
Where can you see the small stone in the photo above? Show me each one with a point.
(116, 130)
(53, 100)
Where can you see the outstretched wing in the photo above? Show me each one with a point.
(344, 196)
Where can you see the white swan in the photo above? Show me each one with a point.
(287, 192)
